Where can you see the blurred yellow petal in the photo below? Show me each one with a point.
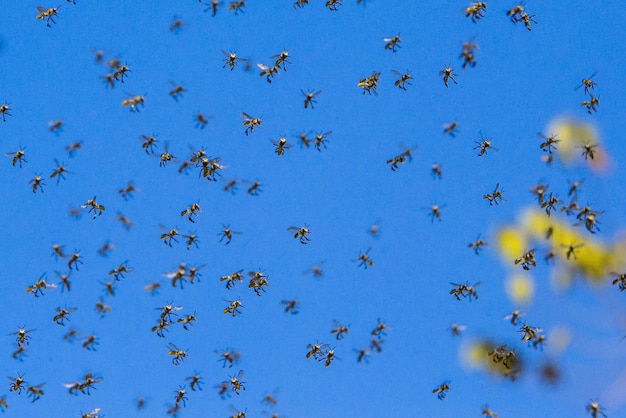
(573, 134)
(511, 242)
(520, 288)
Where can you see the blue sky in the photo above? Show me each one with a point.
(522, 81)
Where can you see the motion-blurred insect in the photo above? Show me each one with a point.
(339, 330)
(120, 270)
(177, 25)
(47, 14)
(467, 53)
(19, 156)
(19, 353)
(448, 74)
(527, 259)
(364, 259)
(291, 306)
(403, 79)
(317, 351)
(195, 381)
(332, 4)
(254, 189)
(127, 223)
(363, 354)
(301, 232)
(102, 308)
(39, 286)
(457, 329)
(595, 409)
(464, 290)
(148, 143)
(231, 59)
(477, 245)
(549, 142)
(106, 248)
(380, 330)
(494, 196)
(59, 172)
(550, 203)
(484, 145)
(237, 6)
(591, 104)
(3, 403)
(575, 187)
(502, 354)
(527, 19)
(304, 140)
(37, 183)
(4, 111)
(227, 233)
(109, 288)
(489, 413)
(250, 122)
(451, 128)
(187, 321)
(62, 315)
(232, 279)
(515, 13)
(476, 10)
(181, 396)
(88, 382)
(435, 170)
(281, 60)
(109, 80)
(236, 383)
(22, 336)
(233, 307)
(267, 71)
(229, 357)
(178, 354)
(299, 4)
(213, 6)
(309, 98)
(514, 316)
(435, 213)
(17, 383)
(392, 43)
(193, 210)
(571, 249)
(442, 390)
(369, 83)
(133, 102)
(620, 280)
(169, 236)
(177, 91)
(588, 83)
(72, 148)
(281, 145)
(70, 335)
(258, 282)
(90, 342)
(94, 207)
(321, 139)
(121, 72)
(329, 357)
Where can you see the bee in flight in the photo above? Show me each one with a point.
(448, 74)
(588, 83)
(19, 156)
(229, 357)
(403, 79)
(477, 245)
(266, 71)
(231, 59)
(236, 383)
(364, 259)
(94, 206)
(339, 330)
(233, 308)
(548, 143)
(457, 329)
(595, 409)
(195, 380)
(484, 145)
(213, 6)
(62, 315)
(299, 4)
(494, 196)
(22, 336)
(237, 6)
(476, 10)
(228, 234)
(121, 72)
(527, 260)
(193, 210)
(169, 236)
(149, 142)
(133, 102)
(4, 111)
(17, 383)
(317, 351)
(47, 14)
(201, 120)
(301, 232)
(309, 98)
(281, 145)
(435, 170)
(250, 122)
(392, 43)
(464, 290)
(254, 189)
(281, 59)
(591, 104)
(467, 53)
(39, 286)
(435, 213)
(332, 4)
(620, 280)
(177, 25)
(178, 354)
(290, 306)
(369, 83)
(589, 150)
(232, 279)
(55, 126)
(177, 91)
(442, 390)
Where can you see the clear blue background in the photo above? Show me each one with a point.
(522, 81)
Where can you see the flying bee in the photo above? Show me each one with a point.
(269, 72)
(17, 383)
(133, 102)
(321, 140)
(233, 308)
(332, 4)
(365, 260)
(178, 354)
(231, 59)
(65, 280)
(254, 189)
(59, 172)
(167, 311)
(484, 145)
(435, 170)
(4, 111)
(22, 336)
(121, 72)
(258, 282)
(514, 316)
(495, 195)
(281, 59)
(109, 287)
(201, 120)
(317, 351)
(467, 53)
(442, 390)
(187, 321)
(435, 213)
(213, 6)
(574, 187)
(549, 205)
(72, 148)
(281, 145)
(477, 245)
(591, 104)
(90, 342)
(301, 232)
(113, 64)
(62, 315)
(191, 240)
(299, 4)
(102, 308)
(502, 354)
(309, 98)
(166, 157)
(3, 403)
(540, 190)
(291, 306)
(160, 327)
(589, 150)
(109, 80)
(250, 122)
(530, 333)
(229, 357)
(106, 248)
(376, 345)
(476, 10)
(237, 6)
(339, 330)
(620, 280)
(329, 357)
(304, 140)
(177, 25)
(153, 288)
(527, 19)
(193, 210)
(195, 380)
(489, 413)
(370, 83)
(392, 43)
(57, 251)
(181, 396)
(88, 382)
(18, 157)
(448, 74)
(403, 79)
(527, 259)
(464, 290)
(178, 275)
(19, 353)
(120, 270)
(177, 91)
(40, 285)
(148, 143)
(236, 383)
(228, 234)
(451, 128)
(47, 14)
(457, 329)
(588, 83)
(94, 206)
(232, 279)
(571, 249)
(380, 330)
(595, 409)
(363, 354)
(515, 13)
(70, 335)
